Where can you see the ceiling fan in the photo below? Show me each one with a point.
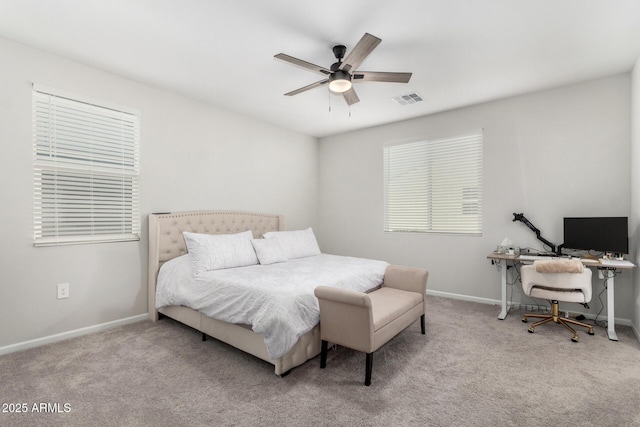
(342, 74)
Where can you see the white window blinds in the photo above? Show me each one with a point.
(85, 171)
(434, 186)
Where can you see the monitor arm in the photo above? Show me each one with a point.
(520, 217)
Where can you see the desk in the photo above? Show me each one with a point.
(504, 259)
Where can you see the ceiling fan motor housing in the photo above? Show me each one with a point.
(341, 78)
(339, 75)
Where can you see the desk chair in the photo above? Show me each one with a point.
(557, 280)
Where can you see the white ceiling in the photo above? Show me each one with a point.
(461, 52)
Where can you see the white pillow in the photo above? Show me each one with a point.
(217, 251)
(269, 251)
(296, 244)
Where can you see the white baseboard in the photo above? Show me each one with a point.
(618, 321)
(71, 334)
(463, 297)
(635, 331)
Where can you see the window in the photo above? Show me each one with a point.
(434, 186)
(85, 171)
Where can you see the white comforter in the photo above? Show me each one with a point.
(277, 300)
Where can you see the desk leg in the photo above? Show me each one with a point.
(503, 277)
(611, 318)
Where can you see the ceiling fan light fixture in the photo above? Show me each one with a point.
(339, 81)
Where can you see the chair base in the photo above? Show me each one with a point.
(555, 317)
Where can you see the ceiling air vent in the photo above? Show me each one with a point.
(409, 98)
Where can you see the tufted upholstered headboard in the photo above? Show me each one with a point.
(166, 241)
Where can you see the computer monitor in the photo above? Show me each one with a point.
(599, 234)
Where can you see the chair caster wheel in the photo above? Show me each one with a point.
(530, 330)
(574, 339)
(524, 320)
(591, 333)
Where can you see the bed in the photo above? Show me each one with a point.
(167, 245)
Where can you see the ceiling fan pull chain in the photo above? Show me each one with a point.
(329, 95)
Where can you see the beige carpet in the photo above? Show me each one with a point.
(470, 369)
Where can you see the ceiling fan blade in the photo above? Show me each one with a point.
(304, 64)
(351, 96)
(358, 54)
(381, 76)
(307, 87)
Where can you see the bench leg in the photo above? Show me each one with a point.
(367, 375)
(422, 324)
(323, 354)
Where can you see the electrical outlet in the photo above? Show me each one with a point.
(63, 290)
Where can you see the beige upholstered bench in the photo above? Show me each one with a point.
(366, 321)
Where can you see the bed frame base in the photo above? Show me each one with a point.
(243, 338)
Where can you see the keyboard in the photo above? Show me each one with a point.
(616, 263)
(535, 257)
(586, 261)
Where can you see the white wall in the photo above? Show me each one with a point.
(635, 190)
(561, 152)
(193, 156)
(550, 154)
